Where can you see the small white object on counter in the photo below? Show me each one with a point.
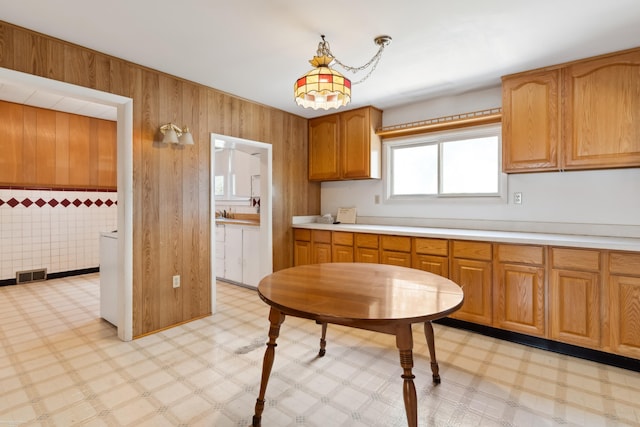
(325, 219)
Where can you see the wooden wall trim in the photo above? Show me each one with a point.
(457, 121)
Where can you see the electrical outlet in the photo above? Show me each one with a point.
(517, 198)
(176, 281)
(376, 199)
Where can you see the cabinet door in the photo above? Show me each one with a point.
(251, 256)
(342, 246)
(433, 264)
(301, 252)
(431, 255)
(324, 148)
(107, 154)
(602, 112)
(624, 300)
(342, 253)
(233, 253)
(11, 143)
(366, 248)
(321, 252)
(575, 307)
(360, 146)
(520, 299)
(474, 277)
(531, 121)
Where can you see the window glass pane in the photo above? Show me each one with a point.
(470, 166)
(415, 170)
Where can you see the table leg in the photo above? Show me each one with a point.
(404, 341)
(275, 318)
(428, 333)
(323, 341)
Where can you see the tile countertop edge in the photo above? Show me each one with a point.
(567, 240)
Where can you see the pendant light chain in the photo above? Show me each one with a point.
(325, 88)
(325, 49)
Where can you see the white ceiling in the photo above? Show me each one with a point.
(256, 49)
(21, 94)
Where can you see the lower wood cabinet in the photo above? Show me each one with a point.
(367, 248)
(584, 297)
(519, 289)
(301, 246)
(320, 246)
(342, 247)
(624, 303)
(431, 255)
(574, 297)
(471, 268)
(395, 250)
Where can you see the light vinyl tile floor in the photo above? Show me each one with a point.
(61, 365)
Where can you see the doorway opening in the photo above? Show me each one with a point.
(261, 188)
(124, 108)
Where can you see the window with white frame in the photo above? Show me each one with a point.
(462, 163)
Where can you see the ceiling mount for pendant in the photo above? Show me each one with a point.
(323, 87)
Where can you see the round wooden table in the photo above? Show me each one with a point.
(376, 297)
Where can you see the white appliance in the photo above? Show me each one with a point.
(109, 277)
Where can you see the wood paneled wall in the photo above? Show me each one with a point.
(172, 222)
(51, 149)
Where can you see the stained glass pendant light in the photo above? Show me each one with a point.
(325, 88)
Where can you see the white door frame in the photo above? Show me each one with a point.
(266, 220)
(124, 107)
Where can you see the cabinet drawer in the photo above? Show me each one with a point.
(575, 259)
(472, 250)
(342, 238)
(301, 234)
(624, 263)
(401, 259)
(521, 254)
(396, 243)
(367, 241)
(431, 246)
(321, 236)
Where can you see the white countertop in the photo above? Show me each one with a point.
(579, 241)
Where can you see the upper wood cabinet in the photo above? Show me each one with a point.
(602, 112)
(581, 115)
(53, 149)
(531, 122)
(344, 146)
(324, 148)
